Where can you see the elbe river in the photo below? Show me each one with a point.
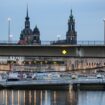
(51, 97)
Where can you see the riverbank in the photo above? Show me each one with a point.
(53, 85)
(34, 84)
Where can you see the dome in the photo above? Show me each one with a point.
(36, 30)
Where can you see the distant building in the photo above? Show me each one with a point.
(71, 35)
(29, 36)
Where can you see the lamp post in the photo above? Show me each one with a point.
(104, 31)
(9, 21)
(58, 37)
(10, 38)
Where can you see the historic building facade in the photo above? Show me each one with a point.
(29, 36)
(71, 34)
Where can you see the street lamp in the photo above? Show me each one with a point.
(58, 37)
(104, 31)
(9, 20)
(10, 38)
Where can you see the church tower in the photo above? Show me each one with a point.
(28, 36)
(71, 35)
(27, 22)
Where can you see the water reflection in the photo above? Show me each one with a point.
(91, 98)
(51, 97)
(37, 97)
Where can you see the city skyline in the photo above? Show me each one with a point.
(52, 18)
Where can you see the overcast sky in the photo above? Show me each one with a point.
(51, 17)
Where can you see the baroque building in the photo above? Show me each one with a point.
(71, 34)
(29, 36)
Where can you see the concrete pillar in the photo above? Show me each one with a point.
(79, 52)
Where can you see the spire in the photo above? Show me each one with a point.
(71, 35)
(71, 12)
(27, 17)
(27, 22)
(71, 15)
(71, 22)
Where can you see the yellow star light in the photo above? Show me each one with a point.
(64, 52)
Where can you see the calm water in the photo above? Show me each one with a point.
(50, 97)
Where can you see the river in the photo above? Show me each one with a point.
(51, 97)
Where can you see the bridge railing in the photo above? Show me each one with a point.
(90, 43)
(54, 43)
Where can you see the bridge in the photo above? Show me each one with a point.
(53, 50)
(84, 55)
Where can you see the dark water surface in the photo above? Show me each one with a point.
(91, 98)
(51, 97)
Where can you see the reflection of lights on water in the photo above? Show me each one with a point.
(54, 97)
(35, 97)
(46, 98)
(24, 97)
(3, 96)
(29, 96)
(6, 97)
(18, 97)
(70, 92)
(41, 97)
(12, 97)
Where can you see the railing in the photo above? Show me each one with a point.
(90, 43)
(56, 43)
